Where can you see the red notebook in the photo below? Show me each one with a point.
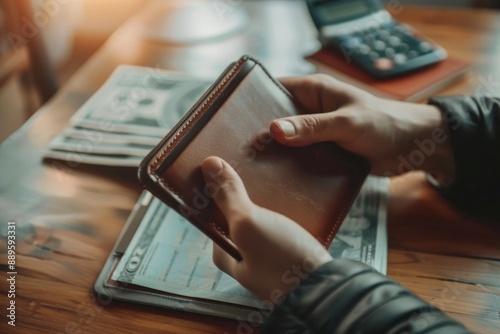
(414, 86)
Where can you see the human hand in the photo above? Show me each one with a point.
(394, 136)
(277, 253)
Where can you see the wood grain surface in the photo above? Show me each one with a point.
(68, 215)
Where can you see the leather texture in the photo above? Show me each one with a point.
(314, 185)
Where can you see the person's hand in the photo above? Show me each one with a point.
(394, 136)
(277, 252)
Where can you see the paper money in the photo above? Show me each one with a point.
(76, 158)
(126, 117)
(93, 136)
(363, 234)
(169, 254)
(140, 100)
(64, 143)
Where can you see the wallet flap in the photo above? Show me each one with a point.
(314, 185)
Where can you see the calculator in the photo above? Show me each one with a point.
(366, 34)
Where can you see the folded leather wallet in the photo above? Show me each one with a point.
(313, 185)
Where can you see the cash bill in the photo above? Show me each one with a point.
(94, 136)
(140, 100)
(169, 254)
(64, 143)
(126, 117)
(363, 234)
(76, 158)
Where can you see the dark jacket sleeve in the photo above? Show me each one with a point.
(474, 124)
(345, 296)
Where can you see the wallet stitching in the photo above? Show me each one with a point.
(206, 104)
(201, 108)
(334, 228)
(219, 229)
(166, 184)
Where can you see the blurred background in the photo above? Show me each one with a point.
(71, 31)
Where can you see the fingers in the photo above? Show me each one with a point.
(304, 130)
(227, 188)
(317, 93)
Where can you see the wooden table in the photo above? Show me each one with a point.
(69, 215)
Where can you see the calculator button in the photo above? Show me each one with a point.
(389, 52)
(394, 41)
(379, 45)
(384, 64)
(364, 49)
(400, 58)
(412, 54)
(425, 47)
(369, 37)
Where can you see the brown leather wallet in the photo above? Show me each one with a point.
(313, 185)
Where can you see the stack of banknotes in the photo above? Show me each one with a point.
(126, 117)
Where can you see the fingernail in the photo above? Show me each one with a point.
(216, 167)
(213, 167)
(286, 127)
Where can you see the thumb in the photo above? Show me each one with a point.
(227, 188)
(307, 129)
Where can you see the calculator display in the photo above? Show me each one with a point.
(335, 12)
